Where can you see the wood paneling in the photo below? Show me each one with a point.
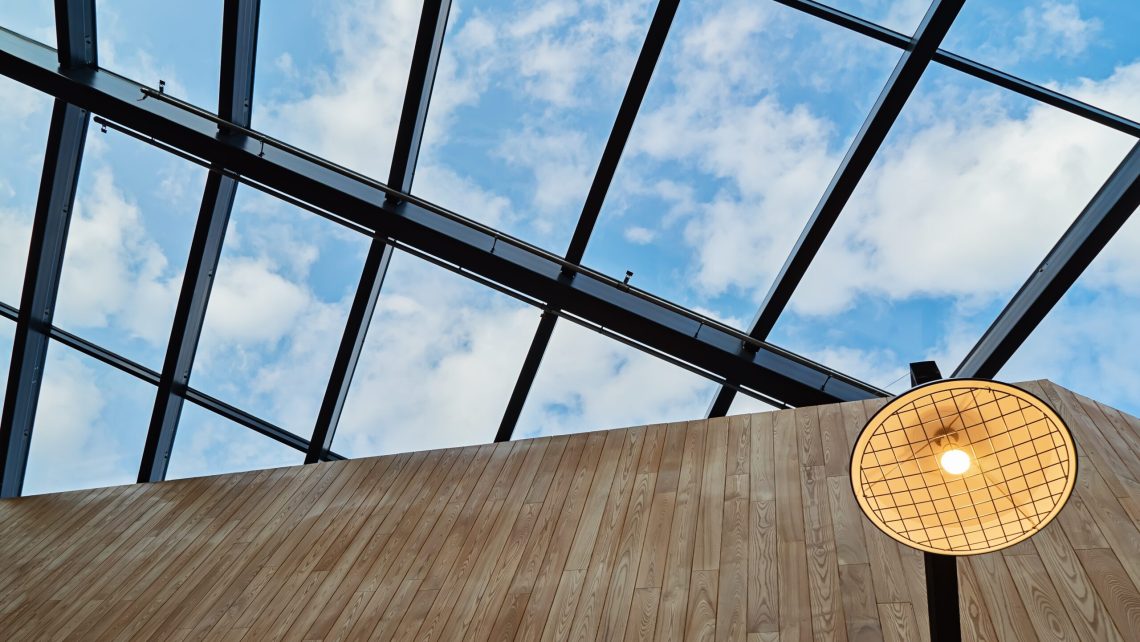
(741, 528)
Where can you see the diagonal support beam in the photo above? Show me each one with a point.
(75, 29)
(592, 208)
(409, 137)
(1116, 200)
(235, 96)
(482, 253)
(870, 138)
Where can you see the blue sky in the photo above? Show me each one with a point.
(746, 119)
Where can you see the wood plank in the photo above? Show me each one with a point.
(732, 594)
(710, 515)
(643, 615)
(607, 541)
(1113, 587)
(701, 621)
(1040, 598)
(763, 586)
(822, 565)
(1088, 615)
(976, 624)
(861, 614)
(678, 562)
(847, 521)
(810, 442)
(550, 573)
(898, 622)
(762, 470)
(1007, 613)
(833, 440)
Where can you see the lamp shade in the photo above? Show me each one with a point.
(963, 466)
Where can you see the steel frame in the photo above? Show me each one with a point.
(907, 72)
(413, 117)
(75, 29)
(235, 100)
(607, 167)
(1109, 208)
(394, 218)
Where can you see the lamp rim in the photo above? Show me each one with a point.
(901, 399)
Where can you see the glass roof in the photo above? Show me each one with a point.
(90, 426)
(1087, 48)
(746, 116)
(743, 127)
(1090, 340)
(211, 445)
(525, 98)
(175, 42)
(331, 77)
(277, 310)
(465, 362)
(591, 382)
(126, 247)
(27, 114)
(957, 210)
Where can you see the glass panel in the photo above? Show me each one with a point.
(331, 77)
(7, 334)
(953, 216)
(525, 100)
(277, 310)
(1089, 341)
(901, 15)
(90, 427)
(178, 42)
(32, 19)
(208, 444)
(130, 233)
(1088, 49)
(590, 382)
(746, 120)
(26, 114)
(439, 363)
(742, 404)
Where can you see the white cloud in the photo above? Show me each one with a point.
(75, 442)
(639, 235)
(1056, 29)
(113, 269)
(590, 382)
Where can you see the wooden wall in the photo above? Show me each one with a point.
(737, 529)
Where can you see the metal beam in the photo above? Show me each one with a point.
(75, 28)
(485, 253)
(141, 372)
(235, 96)
(867, 142)
(1116, 200)
(970, 67)
(592, 208)
(421, 79)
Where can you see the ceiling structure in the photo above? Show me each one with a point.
(392, 218)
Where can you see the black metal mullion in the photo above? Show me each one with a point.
(75, 31)
(235, 95)
(409, 136)
(623, 124)
(870, 138)
(1079, 245)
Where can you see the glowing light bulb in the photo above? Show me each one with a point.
(954, 461)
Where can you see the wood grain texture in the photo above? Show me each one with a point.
(742, 528)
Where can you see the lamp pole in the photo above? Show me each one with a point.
(941, 570)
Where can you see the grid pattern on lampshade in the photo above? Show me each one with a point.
(1022, 466)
